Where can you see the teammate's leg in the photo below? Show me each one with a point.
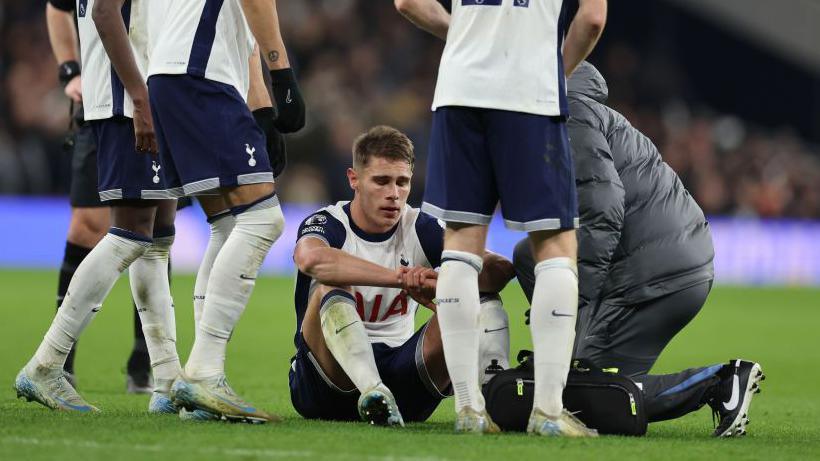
(220, 222)
(458, 311)
(42, 378)
(151, 290)
(552, 319)
(86, 228)
(259, 222)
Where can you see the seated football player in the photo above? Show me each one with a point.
(364, 268)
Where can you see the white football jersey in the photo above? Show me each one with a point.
(104, 95)
(417, 240)
(504, 54)
(204, 38)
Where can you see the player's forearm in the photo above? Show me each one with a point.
(496, 272)
(263, 21)
(584, 31)
(258, 96)
(111, 28)
(428, 15)
(331, 266)
(62, 34)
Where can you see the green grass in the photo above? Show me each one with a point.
(777, 327)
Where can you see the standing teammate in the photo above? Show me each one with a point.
(357, 355)
(644, 263)
(499, 134)
(116, 104)
(210, 143)
(90, 217)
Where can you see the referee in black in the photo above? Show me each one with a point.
(90, 218)
(644, 263)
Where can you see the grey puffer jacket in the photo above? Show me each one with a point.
(642, 235)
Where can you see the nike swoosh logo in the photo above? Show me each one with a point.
(733, 401)
(340, 329)
(555, 313)
(246, 277)
(288, 99)
(497, 329)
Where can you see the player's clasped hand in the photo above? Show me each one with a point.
(420, 284)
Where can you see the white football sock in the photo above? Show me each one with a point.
(152, 294)
(221, 226)
(494, 336)
(91, 283)
(346, 338)
(458, 311)
(231, 283)
(552, 321)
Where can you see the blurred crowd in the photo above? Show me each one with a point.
(360, 63)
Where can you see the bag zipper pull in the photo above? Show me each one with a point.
(519, 386)
(632, 405)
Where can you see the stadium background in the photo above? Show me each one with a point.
(729, 91)
(734, 110)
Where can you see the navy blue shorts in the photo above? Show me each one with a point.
(401, 368)
(207, 136)
(122, 172)
(480, 157)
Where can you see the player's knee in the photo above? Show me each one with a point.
(88, 225)
(322, 291)
(262, 219)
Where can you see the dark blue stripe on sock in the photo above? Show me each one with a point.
(218, 216)
(239, 209)
(692, 380)
(337, 292)
(161, 232)
(126, 234)
(117, 88)
(204, 38)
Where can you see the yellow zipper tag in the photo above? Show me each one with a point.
(519, 384)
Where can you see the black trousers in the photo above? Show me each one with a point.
(630, 338)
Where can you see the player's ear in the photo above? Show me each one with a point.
(352, 178)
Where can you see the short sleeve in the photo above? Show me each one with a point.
(63, 5)
(430, 232)
(324, 226)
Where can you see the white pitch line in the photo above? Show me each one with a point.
(224, 451)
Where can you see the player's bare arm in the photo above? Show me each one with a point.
(428, 15)
(62, 33)
(113, 34)
(584, 31)
(263, 20)
(334, 267)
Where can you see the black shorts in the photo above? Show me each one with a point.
(401, 368)
(83, 192)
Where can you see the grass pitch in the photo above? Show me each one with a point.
(777, 327)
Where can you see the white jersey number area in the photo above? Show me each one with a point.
(388, 313)
(504, 54)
